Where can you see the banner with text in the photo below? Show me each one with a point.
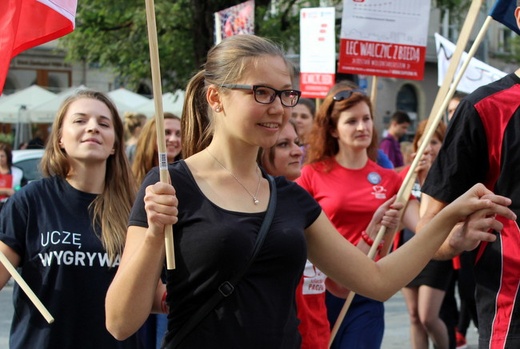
(235, 20)
(317, 51)
(384, 38)
(476, 74)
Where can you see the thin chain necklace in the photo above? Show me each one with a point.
(255, 197)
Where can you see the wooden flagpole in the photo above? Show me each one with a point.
(157, 96)
(23, 285)
(441, 102)
(373, 92)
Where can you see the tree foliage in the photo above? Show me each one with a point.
(457, 10)
(114, 34)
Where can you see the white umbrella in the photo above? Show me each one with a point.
(172, 102)
(13, 107)
(126, 97)
(45, 113)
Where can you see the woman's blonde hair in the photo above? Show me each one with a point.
(132, 122)
(111, 209)
(146, 154)
(226, 63)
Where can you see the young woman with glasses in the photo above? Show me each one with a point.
(217, 200)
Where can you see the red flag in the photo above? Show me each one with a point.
(28, 23)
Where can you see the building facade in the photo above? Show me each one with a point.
(45, 66)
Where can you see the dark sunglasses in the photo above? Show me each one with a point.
(345, 94)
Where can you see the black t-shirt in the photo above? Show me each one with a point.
(212, 244)
(48, 225)
(483, 145)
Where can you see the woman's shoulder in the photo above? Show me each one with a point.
(294, 198)
(39, 192)
(176, 169)
(46, 184)
(290, 189)
(43, 183)
(318, 166)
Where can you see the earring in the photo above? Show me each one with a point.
(217, 109)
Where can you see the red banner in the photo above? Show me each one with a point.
(382, 59)
(316, 85)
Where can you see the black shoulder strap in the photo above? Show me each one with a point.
(227, 287)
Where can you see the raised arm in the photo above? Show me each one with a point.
(386, 215)
(343, 262)
(136, 290)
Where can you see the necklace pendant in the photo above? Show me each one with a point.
(256, 201)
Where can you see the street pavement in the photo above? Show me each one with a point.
(396, 333)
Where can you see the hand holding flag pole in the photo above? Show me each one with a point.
(161, 143)
(441, 102)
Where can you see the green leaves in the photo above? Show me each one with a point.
(114, 35)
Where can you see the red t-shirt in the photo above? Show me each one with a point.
(350, 197)
(6, 181)
(314, 326)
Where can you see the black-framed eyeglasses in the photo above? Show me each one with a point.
(267, 95)
(345, 94)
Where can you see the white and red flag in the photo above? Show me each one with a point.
(28, 23)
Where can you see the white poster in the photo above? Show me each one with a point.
(317, 51)
(384, 38)
(477, 73)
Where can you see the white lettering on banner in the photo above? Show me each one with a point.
(376, 50)
(322, 79)
(361, 61)
(407, 53)
(351, 48)
(395, 65)
(382, 51)
(313, 280)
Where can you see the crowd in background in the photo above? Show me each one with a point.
(294, 142)
(336, 186)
